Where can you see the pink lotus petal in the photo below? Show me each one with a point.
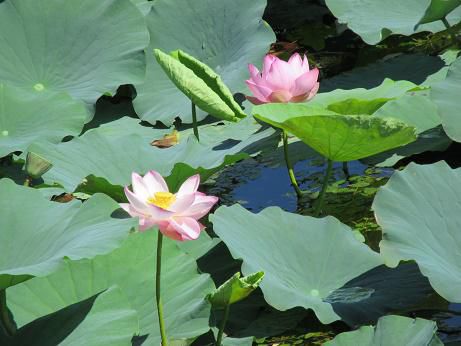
(255, 101)
(169, 231)
(137, 204)
(305, 83)
(296, 62)
(259, 91)
(187, 227)
(314, 91)
(200, 207)
(146, 223)
(146, 209)
(182, 203)
(130, 210)
(254, 73)
(281, 76)
(281, 96)
(282, 81)
(189, 186)
(267, 64)
(305, 65)
(299, 98)
(155, 183)
(139, 188)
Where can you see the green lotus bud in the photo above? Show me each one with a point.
(36, 165)
(235, 289)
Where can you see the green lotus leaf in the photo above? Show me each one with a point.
(86, 49)
(418, 110)
(309, 257)
(374, 20)
(335, 136)
(28, 115)
(360, 100)
(242, 38)
(114, 155)
(391, 330)
(92, 322)
(132, 269)
(378, 292)
(143, 5)
(439, 9)
(414, 108)
(445, 94)
(38, 234)
(235, 289)
(424, 225)
(200, 246)
(200, 84)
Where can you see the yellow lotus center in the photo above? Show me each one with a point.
(162, 199)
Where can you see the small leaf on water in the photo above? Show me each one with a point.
(167, 140)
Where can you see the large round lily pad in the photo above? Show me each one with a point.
(86, 47)
(28, 115)
(418, 210)
(38, 234)
(391, 330)
(105, 317)
(113, 155)
(374, 20)
(225, 35)
(304, 259)
(336, 136)
(445, 94)
(132, 269)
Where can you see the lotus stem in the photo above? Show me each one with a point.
(223, 325)
(346, 170)
(319, 204)
(194, 121)
(5, 318)
(449, 29)
(161, 321)
(291, 173)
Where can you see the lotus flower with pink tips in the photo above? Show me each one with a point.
(176, 215)
(281, 81)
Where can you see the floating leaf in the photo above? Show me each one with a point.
(132, 269)
(309, 257)
(114, 155)
(242, 38)
(439, 9)
(200, 84)
(29, 115)
(235, 289)
(374, 20)
(335, 136)
(445, 94)
(91, 322)
(87, 48)
(418, 210)
(391, 330)
(38, 234)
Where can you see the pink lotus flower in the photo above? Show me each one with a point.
(282, 81)
(176, 215)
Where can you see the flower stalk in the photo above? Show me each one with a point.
(291, 173)
(158, 298)
(223, 325)
(5, 317)
(194, 121)
(319, 204)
